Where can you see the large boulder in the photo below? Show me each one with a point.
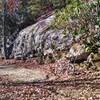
(40, 37)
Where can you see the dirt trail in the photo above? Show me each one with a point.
(22, 74)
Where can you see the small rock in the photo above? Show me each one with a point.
(76, 50)
(90, 98)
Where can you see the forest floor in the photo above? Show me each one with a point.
(27, 80)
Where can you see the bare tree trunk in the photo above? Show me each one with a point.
(3, 31)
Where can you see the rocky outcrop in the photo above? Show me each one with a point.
(40, 37)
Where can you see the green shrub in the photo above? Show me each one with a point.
(79, 17)
(58, 3)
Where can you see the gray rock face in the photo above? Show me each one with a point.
(40, 37)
